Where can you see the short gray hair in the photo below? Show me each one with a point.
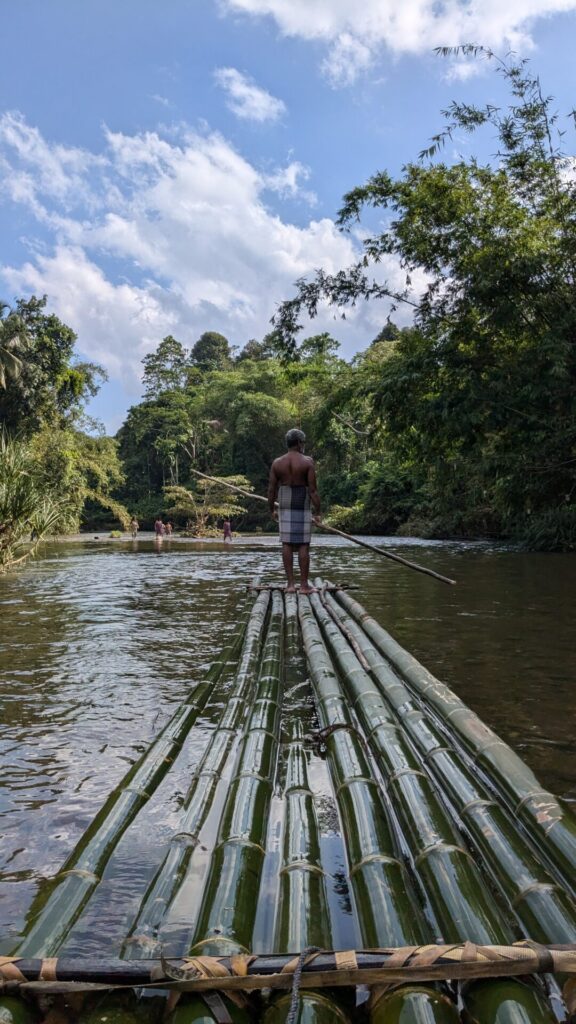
(294, 437)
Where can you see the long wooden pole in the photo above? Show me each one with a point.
(333, 529)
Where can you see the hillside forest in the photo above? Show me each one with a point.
(460, 425)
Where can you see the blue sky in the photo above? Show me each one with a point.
(172, 167)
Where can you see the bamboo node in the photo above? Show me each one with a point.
(394, 776)
(89, 875)
(302, 865)
(546, 887)
(542, 809)
(364, 780)
(319, 738)
(240, 841)
(142, 793)
(186, 838)
(440, 847)
(479, 802)
(444, 750)
(374, 858)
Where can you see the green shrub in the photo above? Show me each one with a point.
(554, 530)
(350, 518)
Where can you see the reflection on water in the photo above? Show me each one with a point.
(101, 640)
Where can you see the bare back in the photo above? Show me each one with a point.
(293, 469)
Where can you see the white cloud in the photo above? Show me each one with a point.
(246, 99)
(355, 34)
(59, 171)
(286, 182)
(117, 323)
(348, 56)
(165, 235)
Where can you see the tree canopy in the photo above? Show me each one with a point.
(211, 351)
(481, 394)
(49, 385)
(52, 460)
(166, 368)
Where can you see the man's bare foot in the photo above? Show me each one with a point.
(290, 589)
(307, 589)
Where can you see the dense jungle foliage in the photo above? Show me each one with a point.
(461, 425)
(53, 461)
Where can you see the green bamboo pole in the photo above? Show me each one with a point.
(417, 1004)
(462, 904)
(142, 940)
(313, 1009)
(55, 910)
(546, 911)
(229, 903)
(302, 917)
(228, 892)
(487, 1002)
(387, 908)
(386, 905)
(551, 825)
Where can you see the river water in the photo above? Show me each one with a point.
(101, 640)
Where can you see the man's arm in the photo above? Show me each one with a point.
(313, 489)
(272, 488)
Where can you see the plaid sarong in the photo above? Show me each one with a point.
(294, 516)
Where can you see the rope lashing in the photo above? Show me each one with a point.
(239, 972)
(306, 956)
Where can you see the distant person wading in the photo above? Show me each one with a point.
(293, 485)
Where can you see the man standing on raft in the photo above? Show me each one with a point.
(293, 485)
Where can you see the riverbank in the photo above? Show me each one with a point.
(266, 539)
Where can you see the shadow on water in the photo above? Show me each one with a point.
(102, 640)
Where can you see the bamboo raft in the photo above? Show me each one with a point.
(460, 867)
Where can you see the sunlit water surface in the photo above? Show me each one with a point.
(102, 640)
